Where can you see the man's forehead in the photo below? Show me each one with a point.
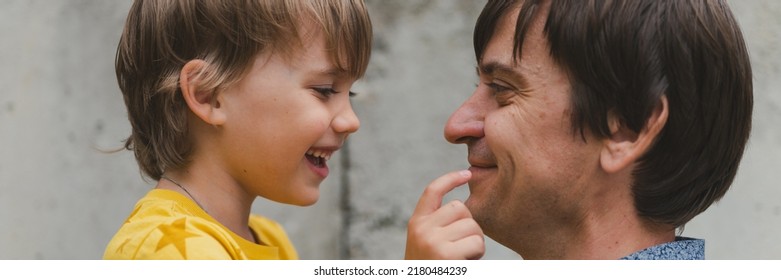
(500, 51)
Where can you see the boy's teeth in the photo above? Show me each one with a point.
(320, 154)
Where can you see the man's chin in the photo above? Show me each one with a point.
(475, 207)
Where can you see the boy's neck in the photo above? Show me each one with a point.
(217, 193)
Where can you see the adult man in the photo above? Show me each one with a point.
(597, 129)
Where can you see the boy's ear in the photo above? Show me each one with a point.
(204, 104)
(623, 147)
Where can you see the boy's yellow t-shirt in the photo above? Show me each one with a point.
(168, 225)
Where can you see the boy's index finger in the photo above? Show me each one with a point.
(432, 196)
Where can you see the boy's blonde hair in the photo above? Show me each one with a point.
(160, 36)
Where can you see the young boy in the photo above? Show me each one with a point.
(230, 100)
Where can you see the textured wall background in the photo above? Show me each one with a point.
(61, 197)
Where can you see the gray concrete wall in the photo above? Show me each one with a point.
(746, 224)
(61, 197)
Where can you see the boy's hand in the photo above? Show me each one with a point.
(446, 232)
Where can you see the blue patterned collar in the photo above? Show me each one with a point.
(683, 248)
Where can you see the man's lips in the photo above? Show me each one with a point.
(481, 163)
(480, 168)
(480, 156)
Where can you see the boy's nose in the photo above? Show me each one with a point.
(466, 123)
(346, 121)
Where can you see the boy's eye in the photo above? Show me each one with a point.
(325, 91)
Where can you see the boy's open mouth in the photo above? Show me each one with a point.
(318, 157)
(316, 161)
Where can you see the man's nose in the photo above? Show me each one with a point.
(467, 122)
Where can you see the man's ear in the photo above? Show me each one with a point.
(203, 103)
(624, 146)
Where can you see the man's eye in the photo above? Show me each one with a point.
(501, 93)
(497, 88)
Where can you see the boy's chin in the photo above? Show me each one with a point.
(307, 203)
(306, 199)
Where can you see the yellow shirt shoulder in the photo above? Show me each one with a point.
(168, 225)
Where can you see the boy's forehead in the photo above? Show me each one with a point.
(312, 56)
(327, 71)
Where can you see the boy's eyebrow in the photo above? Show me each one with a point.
(330, 71)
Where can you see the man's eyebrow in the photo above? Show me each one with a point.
(497, 68)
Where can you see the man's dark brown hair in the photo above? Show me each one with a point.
(622, 57)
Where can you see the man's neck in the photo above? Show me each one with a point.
(616, 237)
(606, 227)
(592, 238)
